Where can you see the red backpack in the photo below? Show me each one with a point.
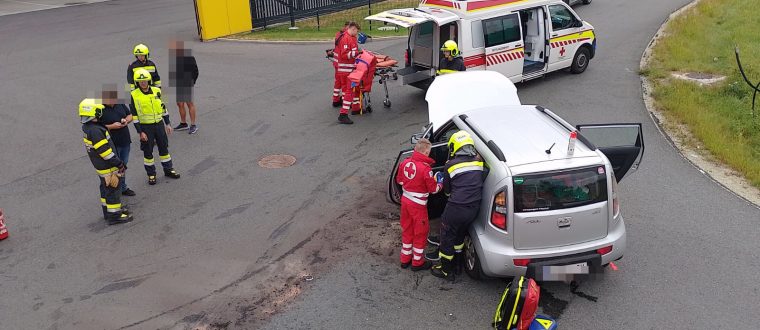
(518, 305)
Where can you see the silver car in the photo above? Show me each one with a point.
(546, 212)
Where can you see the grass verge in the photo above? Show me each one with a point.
(702, 40)
(312, 29)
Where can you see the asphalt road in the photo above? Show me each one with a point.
(230, 243)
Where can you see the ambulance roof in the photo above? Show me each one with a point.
(473, 7)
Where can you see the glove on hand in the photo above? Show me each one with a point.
(112, 180)
(438, 177)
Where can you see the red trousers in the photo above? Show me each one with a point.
(414, 232)
(337, 85)
(350, 101)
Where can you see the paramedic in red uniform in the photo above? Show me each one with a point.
(346, 51)
(416, 178)
(338, 84)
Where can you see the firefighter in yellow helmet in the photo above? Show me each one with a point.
(101, 152)
(463, 183)
(142, 61)
(152, 123)
(451, 61)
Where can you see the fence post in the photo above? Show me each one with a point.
(292, 19)
(369, 5)
(317, 19)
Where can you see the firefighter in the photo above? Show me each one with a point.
(152, 123)
(142, 61)
(451, 61)
(416, 178)
(463, 183)
(101, 150)
(346, 51)
(338, 84)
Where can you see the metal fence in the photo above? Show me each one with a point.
(265, 13)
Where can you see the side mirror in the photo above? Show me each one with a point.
(416, 137)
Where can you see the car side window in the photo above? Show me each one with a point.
(502, 30)
(562, 18)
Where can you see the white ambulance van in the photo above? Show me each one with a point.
(522, 39)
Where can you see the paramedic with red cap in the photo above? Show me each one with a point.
(416, 178)
(346, 51)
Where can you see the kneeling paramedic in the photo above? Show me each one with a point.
(110, 168)
(152, 123)
(451, 62)
(416, 178)
(463, 183)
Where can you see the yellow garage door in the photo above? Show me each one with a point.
(219, 18)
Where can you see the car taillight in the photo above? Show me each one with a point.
(406, 58)
(521, 262)
(499, 213)
(604, 250)
(615, 199)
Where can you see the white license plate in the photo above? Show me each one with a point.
(581, 268)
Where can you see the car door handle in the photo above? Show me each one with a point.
(554, 35)
(518, 45)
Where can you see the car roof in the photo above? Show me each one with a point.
(470, 8)
(524, 133)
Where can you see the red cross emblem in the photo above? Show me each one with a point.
(562, 51)
(410, 170)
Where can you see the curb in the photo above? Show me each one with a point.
(299, 42)
(716, 171)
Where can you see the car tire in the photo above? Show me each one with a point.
(472, 262)
(580, 60)
(586, 2)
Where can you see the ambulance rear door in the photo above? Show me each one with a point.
(504, 45)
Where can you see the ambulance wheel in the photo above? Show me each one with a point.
(580, 61)
(387, 103)
(472, 261)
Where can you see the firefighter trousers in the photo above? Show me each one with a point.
(110, 199)
(156, 137)
(414, 232)
(455, 221)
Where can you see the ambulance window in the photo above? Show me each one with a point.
(477, 34)
(502, 30)
(424, 35)
(562, 18)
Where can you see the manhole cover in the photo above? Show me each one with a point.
(277, 161)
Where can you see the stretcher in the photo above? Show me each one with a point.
(368, 66)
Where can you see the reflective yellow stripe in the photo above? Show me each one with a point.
(465, 164)
(103, 201)
(106, 153)
(112, 169)
(445, 256)
(148, 162)
(87, 142)
(512, 318)
(165, 157)
(100, 143)
(446, 71)
(572, 36)
(459, 247)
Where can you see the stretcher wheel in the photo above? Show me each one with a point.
(395, 76)
(387, 103)
(368, 109)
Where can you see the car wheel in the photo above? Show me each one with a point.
(580, 61)
(472, 261)
(586, 2)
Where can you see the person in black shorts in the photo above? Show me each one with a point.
(183, 76)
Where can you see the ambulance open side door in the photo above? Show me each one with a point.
(504, 46)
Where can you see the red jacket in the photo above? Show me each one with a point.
(346, 50)
(416, 178)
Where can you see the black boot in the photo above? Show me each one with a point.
(434, 240)
(337, 104)
(171, 173)
(433, 255)
(424, 266)
(343, 119)
(458, 262)
(119, 218)
(444, 270)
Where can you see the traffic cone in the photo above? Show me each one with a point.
(3, 230)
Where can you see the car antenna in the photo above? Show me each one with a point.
(549, 151)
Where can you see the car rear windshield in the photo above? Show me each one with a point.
(560, 190)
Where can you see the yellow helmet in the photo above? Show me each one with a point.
(141, 49)
(451, 45)
(142, 75)
(459, 140)
(89, 109)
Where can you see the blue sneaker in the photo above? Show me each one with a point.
(193, 129)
